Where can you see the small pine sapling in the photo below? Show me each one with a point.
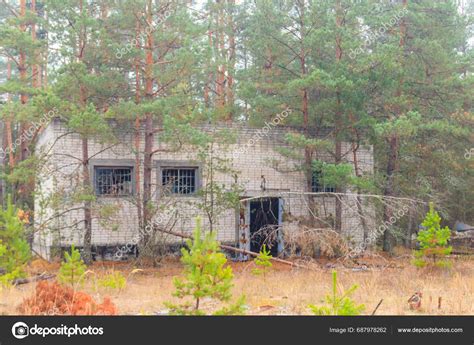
(433, 241)
(206, 276)
(339, 305)
(72, 270)
(14, 248)
(263, 262)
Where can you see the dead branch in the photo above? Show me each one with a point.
(42, 276)
(237, 250)
(377, 307)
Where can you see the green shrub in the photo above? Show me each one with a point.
(72, 269)
(433, 242)
(114, 280)
(263, 262)
(14, 248)
(339, 305)
(205, 276)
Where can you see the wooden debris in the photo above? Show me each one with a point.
(40, 277)
(377, 307)
(237, 250)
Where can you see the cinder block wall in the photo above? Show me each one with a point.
(62, 174)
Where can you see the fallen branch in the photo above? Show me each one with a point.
(237, 250)
(43, 276)
(377, 307)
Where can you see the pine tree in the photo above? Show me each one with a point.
(206, 275)
(165, 58)
(72, 269)
(263, 262)
(21, 51)
(339, 304)
(86, 85)
(14, 248)
(216, 197)
(302, 53)
(433, 241)
(411, 116)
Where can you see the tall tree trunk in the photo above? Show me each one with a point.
(393, 148)
(86, 182)
(87, 252)
(44, 65)
(3, 165)
(138, 131)
(35, 77)
(7, 142)
(355, 147)
(220, 37)
(21, 196)
(207, 88)
(388, 238)
(308, 154)
(8, 124)
(338, 117)
(231, 67)
(23, 97)
(149, 135)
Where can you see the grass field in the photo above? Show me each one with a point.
(285, 290)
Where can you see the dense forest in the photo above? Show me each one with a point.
(397, 75)
(231, 157)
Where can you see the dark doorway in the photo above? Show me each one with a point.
(264, 224)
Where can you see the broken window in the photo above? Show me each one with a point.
(113, 181)
(179, 180)
(318, 184)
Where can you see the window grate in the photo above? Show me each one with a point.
(180, 181)
(113, 181)
(318, 185)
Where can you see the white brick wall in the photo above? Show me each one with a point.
(63, 172)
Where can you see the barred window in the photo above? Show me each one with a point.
(318, 185)
(113, 181)
(179, 180)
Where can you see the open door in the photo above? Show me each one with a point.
(265, 220)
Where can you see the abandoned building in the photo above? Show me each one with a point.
(273, 191)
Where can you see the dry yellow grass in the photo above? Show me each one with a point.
(289, 291)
